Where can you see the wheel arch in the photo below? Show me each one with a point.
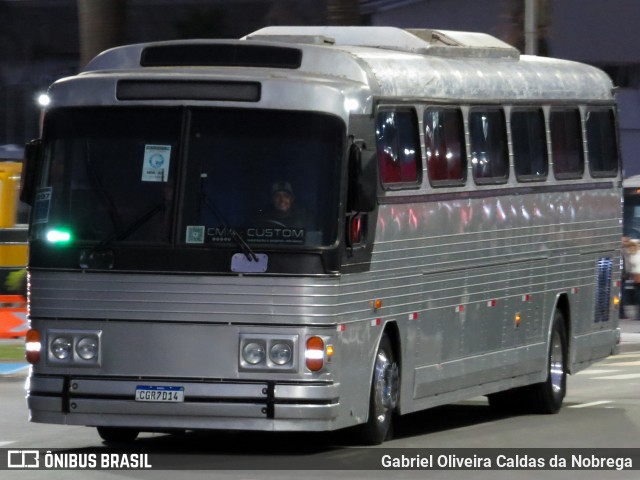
(379, 421)
(392, 331)
(563, 305)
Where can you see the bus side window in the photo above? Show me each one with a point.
(445, 146)
(566, 143)
(529, 144)
(398, 146)
(601, 143)
(489, 151)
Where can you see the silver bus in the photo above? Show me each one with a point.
(315, 228)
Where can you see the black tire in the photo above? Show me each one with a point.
(507, 402)
(117, 434)
(547, 396)
(383, 397)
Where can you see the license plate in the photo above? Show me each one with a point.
(153, 393)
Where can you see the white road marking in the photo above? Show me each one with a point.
(596, 371)
(2, 444)
(627, 376)
(625, 364)
(591, 404)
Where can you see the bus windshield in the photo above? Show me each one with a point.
(190, 176)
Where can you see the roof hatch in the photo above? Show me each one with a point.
(423, 41)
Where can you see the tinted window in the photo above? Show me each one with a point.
(601, 143)
(111, 174)
(270, 176)
(398, 148)
(489, 152)
(566, 143)
(529, 144)
(253, 176)
(445, 146)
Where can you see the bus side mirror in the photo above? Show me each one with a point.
(30, 167)
(363, 181)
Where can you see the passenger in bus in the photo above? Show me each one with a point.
(632, 268)
(283, 210)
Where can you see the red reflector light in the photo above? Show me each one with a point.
(33, 346)
(314, 354)
(355, 230)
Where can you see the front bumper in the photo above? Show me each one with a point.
(232, 405)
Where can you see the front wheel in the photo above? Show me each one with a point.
(384, 396)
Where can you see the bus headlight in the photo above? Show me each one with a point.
(267, 352)
(254, 353)
(61, 348)
(87, 348)
(280, 353)
(75, 348)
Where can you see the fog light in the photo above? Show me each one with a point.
(87, 348)
(61, 348)
(254, 353)
(280, 353)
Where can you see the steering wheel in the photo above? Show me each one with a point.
(276, 223)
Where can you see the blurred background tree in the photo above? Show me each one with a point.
(205, 23)
(343, 12)
(515, 24)
(101, 24)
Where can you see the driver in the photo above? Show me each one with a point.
(283, 211)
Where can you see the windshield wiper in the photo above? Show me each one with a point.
(133, 227)
(235, 236)
(95, 179)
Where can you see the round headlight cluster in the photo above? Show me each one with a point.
(87, 348)
(261, 353)
(61, 348)
(253, 353)
(280, 353)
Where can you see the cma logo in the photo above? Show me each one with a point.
(23, 459)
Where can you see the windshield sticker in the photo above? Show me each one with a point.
(42, 205)
(195, 234)
(155, 167)
(278, 235)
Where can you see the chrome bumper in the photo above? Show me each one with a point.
(221, 405)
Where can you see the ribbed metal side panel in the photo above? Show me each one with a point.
(468, 266)
(179, 298)
(435, 255)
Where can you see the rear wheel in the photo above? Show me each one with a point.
(543, 397)
(117, 434)
(383, 397)
(547, 396)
